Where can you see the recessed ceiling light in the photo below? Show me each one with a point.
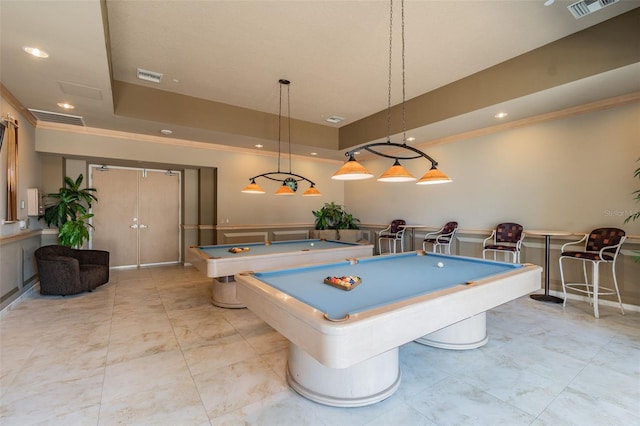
(501, 115)
(166, 132)
(258, 145)
(411, 139)
(35, 52)
(313, 153)
(65, 105)
(334, 119)
(549, 2)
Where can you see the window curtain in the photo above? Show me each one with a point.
(11, 142)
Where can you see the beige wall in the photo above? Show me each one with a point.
(28, 168)
(234, 170)
(17, 265)
(572, 174)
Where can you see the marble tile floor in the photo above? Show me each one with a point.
(150, 349)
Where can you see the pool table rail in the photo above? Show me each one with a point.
(341, 344)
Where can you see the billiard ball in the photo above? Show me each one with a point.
(440, 265)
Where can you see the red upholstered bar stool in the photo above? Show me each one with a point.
(506, 238)
(393, 233)
(602, 245)
(441, 239)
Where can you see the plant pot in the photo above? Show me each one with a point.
(349, 235)
(327, 234)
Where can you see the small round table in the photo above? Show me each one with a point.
(546, 297)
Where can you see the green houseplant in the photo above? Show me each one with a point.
(70, 212)
(636, 215)
(333, 216)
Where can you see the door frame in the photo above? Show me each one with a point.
(94, 167)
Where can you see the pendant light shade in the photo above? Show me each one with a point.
(433, 176)
(311, 192)
(284, 190)
(396, 173)
(253, 188)
(352, 170)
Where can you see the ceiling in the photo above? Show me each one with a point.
(335, 53)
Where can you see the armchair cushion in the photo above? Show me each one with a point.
(63, 270)
(588, 255)
(602, 245)
(394, 230)
(500, 247)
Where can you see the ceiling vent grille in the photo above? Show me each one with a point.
(586, 7)
(334, 119)
(54, 117)
(147, 75)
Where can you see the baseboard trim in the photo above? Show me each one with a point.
(11, 306)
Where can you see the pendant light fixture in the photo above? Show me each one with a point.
(353, 170)
(288, 179)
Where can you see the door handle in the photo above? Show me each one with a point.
(134, 226)
(143, 226)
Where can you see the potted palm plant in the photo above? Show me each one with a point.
(70, 213)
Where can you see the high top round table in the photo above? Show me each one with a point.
(546, 297)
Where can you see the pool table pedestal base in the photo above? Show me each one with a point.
(470, 333)
(223, 293)
(376, 378)
(364, 383)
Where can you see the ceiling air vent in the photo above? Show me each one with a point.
(334, 119)
(54, 117)
(147, 75)
(586, 7)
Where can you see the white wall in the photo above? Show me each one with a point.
(571, 174)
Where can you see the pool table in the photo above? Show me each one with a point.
(343, 348)
(219, 263)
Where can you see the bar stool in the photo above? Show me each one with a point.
(506, 238)
(441, 239)
(393, 233)
(602, 246)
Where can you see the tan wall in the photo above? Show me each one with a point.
(17, 265)
(28, 168)
(574, 174)
(233, 171)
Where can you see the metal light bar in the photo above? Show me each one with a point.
(288, 179)
(345, 172)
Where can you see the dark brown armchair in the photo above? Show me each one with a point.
(63, 270)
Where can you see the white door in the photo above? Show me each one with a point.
(137, 216)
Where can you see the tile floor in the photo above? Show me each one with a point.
(149, 349)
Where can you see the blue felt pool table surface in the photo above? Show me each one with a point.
(256, 249)
(385, 280)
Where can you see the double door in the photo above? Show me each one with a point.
(137, 216)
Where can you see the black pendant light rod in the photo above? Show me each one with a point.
(369, 147)
(403, 145)
(281, 176)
